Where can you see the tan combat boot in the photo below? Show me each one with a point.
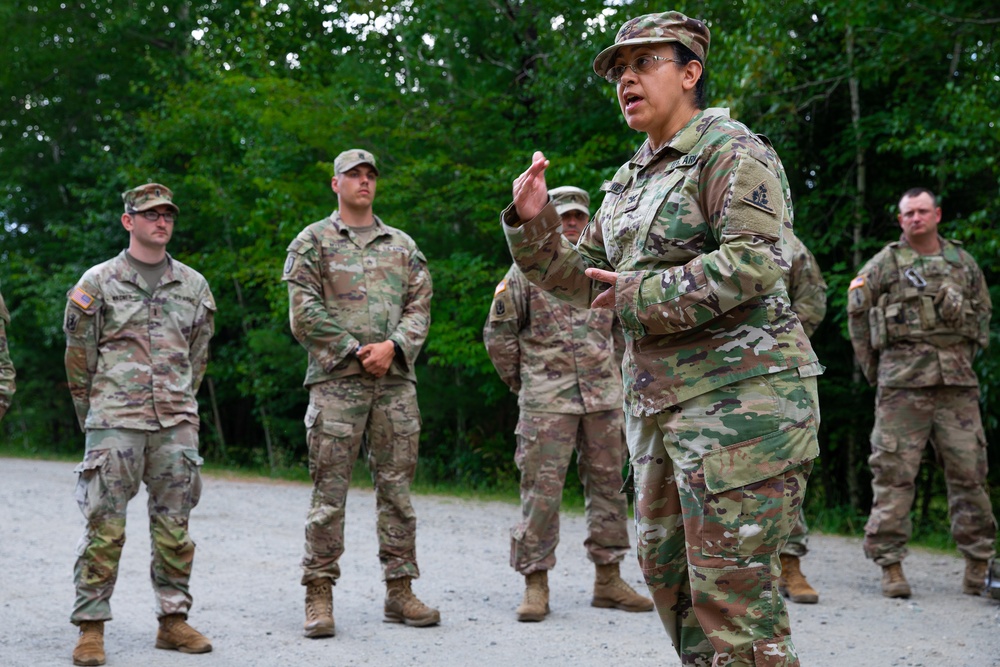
(319, 608)
(611, 591)
(792, 583)
(176, 635)
(535, 605)
(402, 606)
(894, 584)
(974, 582)
(90, 646)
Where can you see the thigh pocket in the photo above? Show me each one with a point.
(329, 444)
(750, 490)
(192, 466)
(93, 494)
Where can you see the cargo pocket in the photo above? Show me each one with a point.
(92, 492)
(192, 463)
(745, 510)
(329, 441)
(527, 436)
(883, 442)
(405, 443)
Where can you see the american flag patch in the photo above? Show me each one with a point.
(859, 281)
(81, 298)
(500, 288)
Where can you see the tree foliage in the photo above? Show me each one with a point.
(240, 106)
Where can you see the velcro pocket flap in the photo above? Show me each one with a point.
(761, 458)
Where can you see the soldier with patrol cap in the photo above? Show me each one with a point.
(137, 333)
(360, 304)
(918, 313)
(559, 360)
(7, 374)
(721, 407)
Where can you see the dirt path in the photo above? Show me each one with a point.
(249, 601)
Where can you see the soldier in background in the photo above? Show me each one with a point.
(7, 374)
(137, 333)
(807, 293)
(559, 360)
(359, 302)
(918, 313)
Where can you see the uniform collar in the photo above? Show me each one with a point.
(127, 273)
(684, 141)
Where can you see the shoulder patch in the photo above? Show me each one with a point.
(500, 288)
(760, 197)
(858, 282)
(81, 298)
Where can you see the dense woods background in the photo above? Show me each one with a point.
(241, 105)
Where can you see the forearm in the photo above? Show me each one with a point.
(79, 377)
(688, 296)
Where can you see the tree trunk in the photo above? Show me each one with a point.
(853, 448)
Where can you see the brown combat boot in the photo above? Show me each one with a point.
(319, 608)
(792, 583)
(894, 584)
(535, 605)
(90, 646)
(402, 606)
(611, 591)
(176, 635)
(974, 582)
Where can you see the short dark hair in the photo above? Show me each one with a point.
(686, 55)
(917, 191)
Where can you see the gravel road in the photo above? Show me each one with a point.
(249, 601)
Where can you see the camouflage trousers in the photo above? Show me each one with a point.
(115, 463)
(719, 482)
(341, 413)
(905, 419)
(798, 540)
(545, 442)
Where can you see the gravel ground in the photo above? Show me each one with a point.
(249, 601)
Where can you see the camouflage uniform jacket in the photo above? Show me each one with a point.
(919, 361)
(806, 287)
(343, 295)
(555, 356)
(6, 367)
(135, 359)
(694, 231)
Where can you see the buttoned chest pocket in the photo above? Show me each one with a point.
(179, 310)
(123, 311)
(675, 230)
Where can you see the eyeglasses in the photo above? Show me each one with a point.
(640, 65)
(153, 216)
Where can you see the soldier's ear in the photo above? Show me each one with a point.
(127, 222)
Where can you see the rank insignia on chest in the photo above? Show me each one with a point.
(632, 200)
(81, 298)
(760, 198)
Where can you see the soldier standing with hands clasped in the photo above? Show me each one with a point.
(7, 374)
(918, 312)
(559, 359)
(137, 333)
(360, 303)
(721, 407)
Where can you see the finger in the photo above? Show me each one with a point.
(605, 299)
(602, 275)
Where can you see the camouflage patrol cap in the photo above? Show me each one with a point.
(569, 198)
(148, 196)
(654, 29)
(352, 158)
